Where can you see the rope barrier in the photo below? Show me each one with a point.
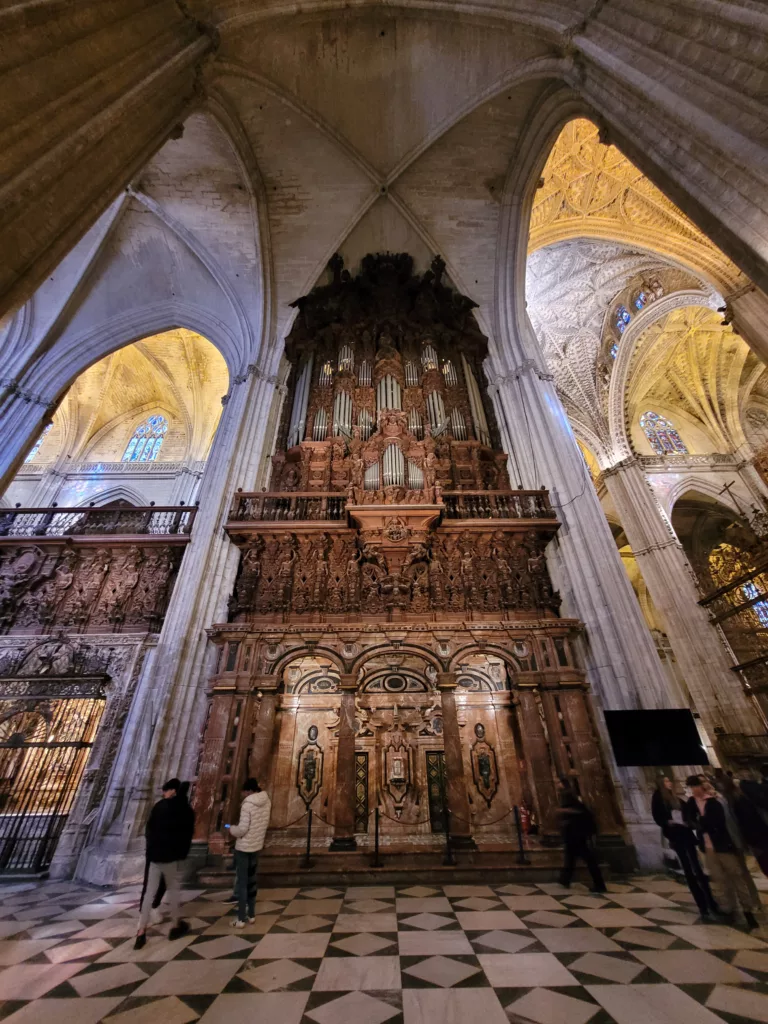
(482, 824)
(292, 823)
(404, 823)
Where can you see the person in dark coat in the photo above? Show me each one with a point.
(755, 825)
(169, 838)
(669, 814)
(723, 847)
(577, 826)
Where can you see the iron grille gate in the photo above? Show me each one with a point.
(46, 733)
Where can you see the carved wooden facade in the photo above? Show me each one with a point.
(89, 570)
(394, 638)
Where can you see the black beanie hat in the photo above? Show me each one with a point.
(172, 784)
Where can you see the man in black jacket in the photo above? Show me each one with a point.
(169, 838)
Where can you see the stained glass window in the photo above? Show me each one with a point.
(147, 440)
(614, 350)
(622, 318)
(36, 446)
(663, 437)
(640, 300)
(760, 608)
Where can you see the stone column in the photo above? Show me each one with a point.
(455, 782)
(717, 692)
(23, 418)
(344, 803)
(747, 312)
(260, 760)
(623, 669)
(171, 702)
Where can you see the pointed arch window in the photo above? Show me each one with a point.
(36, 446)
(147, 440)
(663, 437)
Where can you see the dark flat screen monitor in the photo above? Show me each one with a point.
(664, 737)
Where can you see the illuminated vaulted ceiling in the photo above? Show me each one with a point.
(691, 363)
(599, 229)
(572, 289)
(177, 374)
(592, 190)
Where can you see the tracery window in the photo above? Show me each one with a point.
(640, 300)
(36, 446)
(760, 608)
(147, 440)
(663, 437)
(621, 318)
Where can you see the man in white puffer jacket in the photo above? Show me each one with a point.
(249, 834)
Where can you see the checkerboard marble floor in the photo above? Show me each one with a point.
(413, 954)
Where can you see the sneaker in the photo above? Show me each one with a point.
(237, 923)
(251, 920)
(178, 930)
(141, 941)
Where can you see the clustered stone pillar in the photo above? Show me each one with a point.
(260, 759)
(344, 804)
(460, 825)
(747, 311)
(717, 693)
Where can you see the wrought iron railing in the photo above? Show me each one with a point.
(276, 506)
(497, 505)
(152, 520)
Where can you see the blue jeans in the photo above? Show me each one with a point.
(246, 865)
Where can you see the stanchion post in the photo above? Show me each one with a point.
(521, 857)
(448, 858)
(376, 861)
(307, 863)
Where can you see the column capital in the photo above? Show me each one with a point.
(347, 682)
(446, 681)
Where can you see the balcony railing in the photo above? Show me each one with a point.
(497, 505)
(322, 506)
(153, 520)
(276, 506)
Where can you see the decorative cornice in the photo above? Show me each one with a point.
(528, 366)
(12, 388)
(252, 370)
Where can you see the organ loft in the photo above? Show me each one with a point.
(394, 639)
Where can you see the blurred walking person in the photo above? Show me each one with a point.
(723, 847)
(169, 838)
(577, 826)
(668, 813)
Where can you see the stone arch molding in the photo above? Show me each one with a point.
(693, 481)
(629, 347)
(121, 492)
(54, 374)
